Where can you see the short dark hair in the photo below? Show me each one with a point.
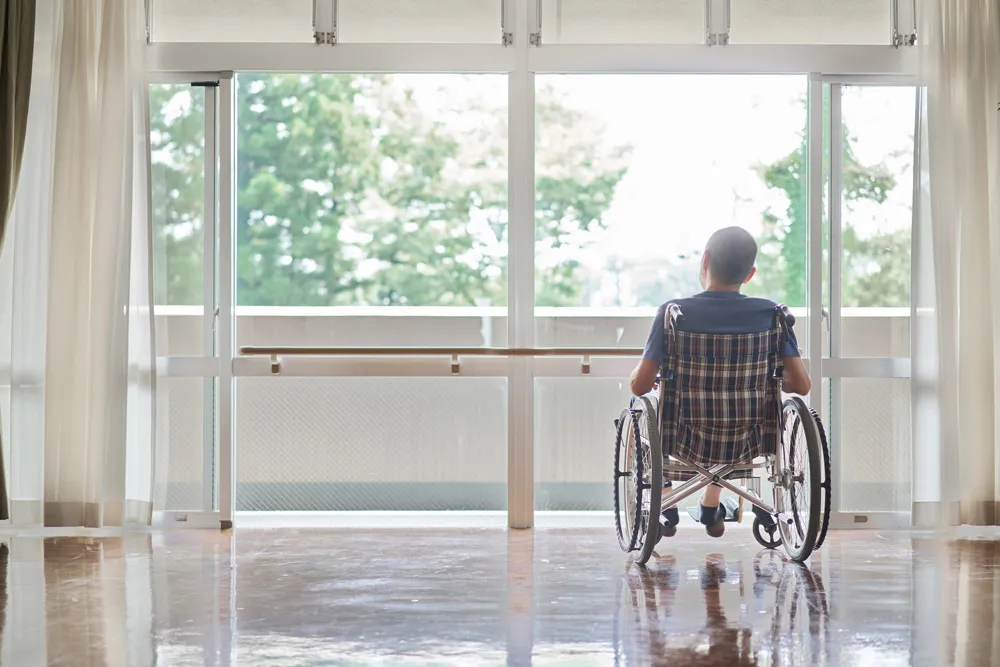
(731, 255)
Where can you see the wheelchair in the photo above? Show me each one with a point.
(718, 418)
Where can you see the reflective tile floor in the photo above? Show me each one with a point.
(489, 597)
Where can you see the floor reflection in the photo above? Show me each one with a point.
(782, 617)
(284, 598)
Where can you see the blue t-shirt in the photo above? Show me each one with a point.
(719, 313)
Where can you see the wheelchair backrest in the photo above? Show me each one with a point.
(721, 392)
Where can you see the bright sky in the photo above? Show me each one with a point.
(698, 142)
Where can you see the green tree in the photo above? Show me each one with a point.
(876, 269)
(349, 193)
(177, 134)
(576, 177)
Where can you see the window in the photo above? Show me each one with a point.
(182, 268)
(177, 147)
(371, 210)
(634, 173)
(877, 219)
(363, 199)
(877, 192)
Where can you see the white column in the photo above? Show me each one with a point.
(521, 275)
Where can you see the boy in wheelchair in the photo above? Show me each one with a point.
(727, 264)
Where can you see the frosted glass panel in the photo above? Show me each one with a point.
(420, 21)
(328, 444)
(810, 22)
(231, 21)
(180, 411)
(623, 21)
(574, 441)
(875, 332)
(875, 445)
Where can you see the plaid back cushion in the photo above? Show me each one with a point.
(722, 404)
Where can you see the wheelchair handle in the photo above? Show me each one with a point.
(790, 317)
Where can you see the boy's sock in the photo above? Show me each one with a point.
(714, 520)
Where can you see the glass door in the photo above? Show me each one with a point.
(866, 376)
(634, 172)
(183, 174)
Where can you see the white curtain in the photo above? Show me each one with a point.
(81, 451)
(957, 311)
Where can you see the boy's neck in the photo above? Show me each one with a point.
(713, 287)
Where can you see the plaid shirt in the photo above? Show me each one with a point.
(721, 402)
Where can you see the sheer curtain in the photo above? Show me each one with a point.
(957, 311)
(81, 408)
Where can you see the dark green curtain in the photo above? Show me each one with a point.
(17, 45)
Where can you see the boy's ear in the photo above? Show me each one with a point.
(750, 275)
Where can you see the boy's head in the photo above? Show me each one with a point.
(728, 262)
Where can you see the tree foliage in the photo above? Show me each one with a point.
(352, 190)
(177, 132)
(351, 193)
(875, 268)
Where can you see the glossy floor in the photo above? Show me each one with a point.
(489, 597)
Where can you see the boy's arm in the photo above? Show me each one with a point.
(644, 376)
(795, 379)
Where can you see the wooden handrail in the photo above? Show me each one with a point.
(305, 351)
(275, 353)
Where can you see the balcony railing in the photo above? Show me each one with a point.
(350, 443)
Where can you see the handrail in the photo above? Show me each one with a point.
(276, 352)
(305, 351)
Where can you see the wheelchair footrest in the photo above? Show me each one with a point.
(732, 511)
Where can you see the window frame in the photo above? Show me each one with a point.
(521, 61)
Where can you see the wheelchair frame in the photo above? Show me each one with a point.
(651, 499)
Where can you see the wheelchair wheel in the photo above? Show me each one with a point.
(798, 481)
(766, 536)
(826, 493)
(627, 468)
(639, 480)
